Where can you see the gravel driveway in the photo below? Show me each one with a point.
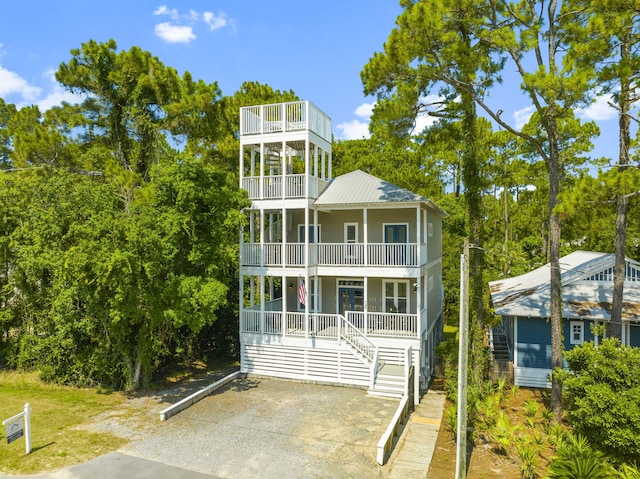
(262, 428)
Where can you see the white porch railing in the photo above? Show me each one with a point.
(333, 254)
(390, 325)
(283, 117)
(272, 186)
(395, 325)
(352, 335)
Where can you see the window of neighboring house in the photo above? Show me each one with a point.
(430, 229)
(313, 238)
(396, 296)
(576, 331)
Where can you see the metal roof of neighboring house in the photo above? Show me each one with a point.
(584, 296)
(360, 189)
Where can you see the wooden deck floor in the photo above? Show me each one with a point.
(412, 455)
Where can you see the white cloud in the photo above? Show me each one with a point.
(57, 94)
(365, 110)
(599, 110)
(164, 10)
(354, 130)
(215, 21)
(357, 129)
(13, 84)
(181, 27)
(174, 33)
(522, 116)
(423, 121)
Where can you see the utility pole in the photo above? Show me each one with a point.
(463, 359)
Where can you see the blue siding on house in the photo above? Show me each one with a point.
(533, 341)
(634, 335)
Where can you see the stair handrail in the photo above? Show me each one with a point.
(491, 346)
(352, 335)
(375, 364)
(408, 356)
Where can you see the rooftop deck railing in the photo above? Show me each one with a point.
(284, 117)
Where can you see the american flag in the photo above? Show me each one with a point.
(302, 293)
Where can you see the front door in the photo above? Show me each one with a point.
(351, 299)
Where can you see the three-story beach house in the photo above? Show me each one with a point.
(340, 278)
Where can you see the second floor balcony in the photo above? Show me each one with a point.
(333, 254)
(293, 186)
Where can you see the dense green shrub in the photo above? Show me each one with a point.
(575, 459)
(602, 394)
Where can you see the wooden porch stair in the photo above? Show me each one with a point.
(500, 347)
(389, 381)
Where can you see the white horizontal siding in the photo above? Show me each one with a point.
(309, 364)
(531, 377)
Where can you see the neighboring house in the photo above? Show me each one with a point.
(341, 278)
(524, 337)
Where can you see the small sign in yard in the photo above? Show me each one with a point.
(15, 430)
(18, 427)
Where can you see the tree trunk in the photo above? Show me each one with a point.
(555, 310)
(137, 374)
(614, 328)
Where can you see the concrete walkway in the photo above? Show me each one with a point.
(412, 455)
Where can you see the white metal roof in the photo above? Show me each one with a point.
(583, 296)
(359, 189)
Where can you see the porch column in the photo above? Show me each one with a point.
(284, 169)
(241, 296)
(307, 233)
(261, 226)
(252, 298)
(365, 307)
(262, 154)
(315, 161)
(419, 289)
(285, 290)
(262, 304)
(365, 237)
(283, 245)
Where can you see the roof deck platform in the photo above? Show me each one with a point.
(289, 117)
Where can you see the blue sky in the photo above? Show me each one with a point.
(315, 48)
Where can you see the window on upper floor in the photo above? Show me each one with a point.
(351, 232)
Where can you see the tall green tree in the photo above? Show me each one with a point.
(427, 50)
(607, 40)
(436, 47)
(134, 104)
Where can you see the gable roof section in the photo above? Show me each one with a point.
(361, 189)
(587, 289)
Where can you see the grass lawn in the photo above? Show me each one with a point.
(451, 332)
(56, 413)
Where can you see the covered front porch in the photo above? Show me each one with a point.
(330, 326)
